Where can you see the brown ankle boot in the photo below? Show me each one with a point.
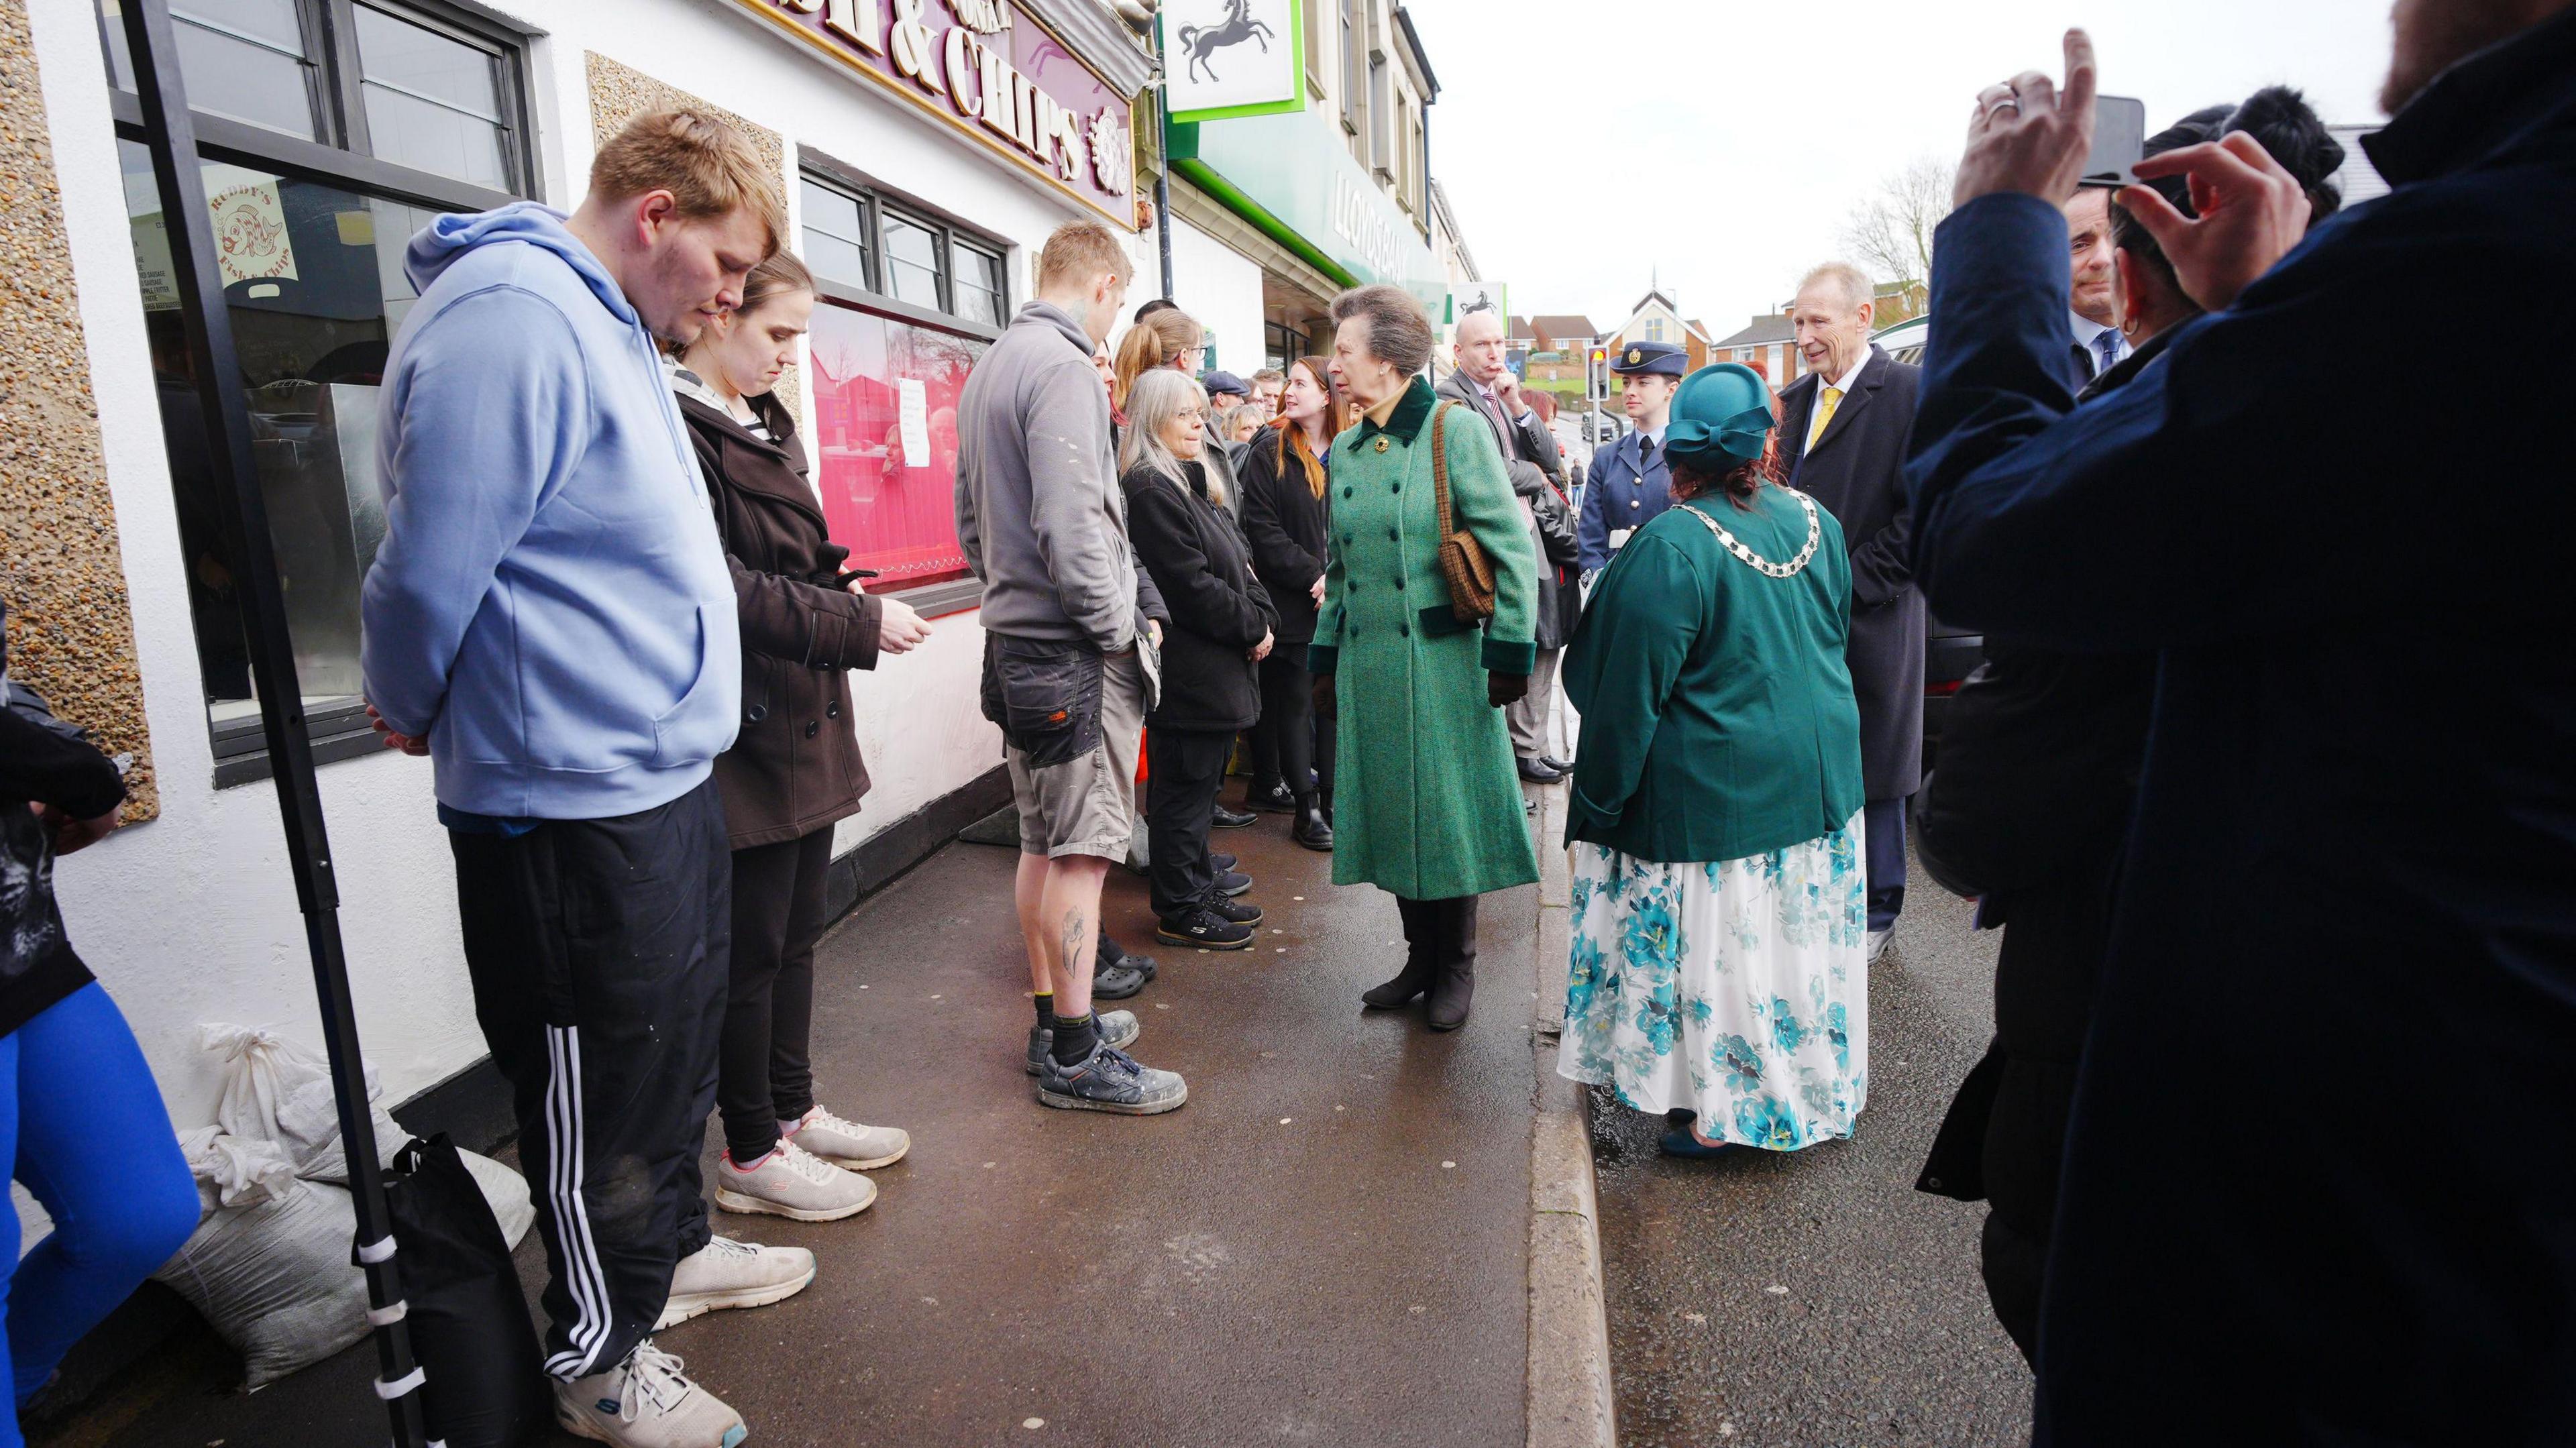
(1455, 986)
(1421, 959)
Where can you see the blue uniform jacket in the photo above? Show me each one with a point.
(1619, 494)
(2320, 1184)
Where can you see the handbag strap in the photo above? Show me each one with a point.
(1440, 465)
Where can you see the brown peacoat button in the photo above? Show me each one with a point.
(832, 710)
(813, 727)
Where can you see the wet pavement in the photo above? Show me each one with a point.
(1816, 1300)
(1328, 1245)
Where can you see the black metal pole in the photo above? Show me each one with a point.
(171, 135)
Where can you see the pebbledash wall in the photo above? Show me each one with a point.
(191, 917)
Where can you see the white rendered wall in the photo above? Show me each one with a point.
(1218, 286)
(192, 917)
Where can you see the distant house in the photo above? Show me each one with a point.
(1563, 333)
(1769, 345)
(1656, 319)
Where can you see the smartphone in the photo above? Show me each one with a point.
(2119, 141)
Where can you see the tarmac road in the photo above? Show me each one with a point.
(1816, 1300)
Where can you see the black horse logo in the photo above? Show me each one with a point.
(1202, 42)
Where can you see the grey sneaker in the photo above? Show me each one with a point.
(726, 1273)
(1111, 1080)
(646, 1402)
(794, 1183)
(1118, 1031)
(848, 1144)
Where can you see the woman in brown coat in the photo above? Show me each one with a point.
(794, 769)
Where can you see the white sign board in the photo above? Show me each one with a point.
(1233, 57)
(912, 416)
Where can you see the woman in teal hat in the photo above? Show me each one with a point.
(1720, 900)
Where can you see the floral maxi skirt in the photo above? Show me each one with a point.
(1738, 989)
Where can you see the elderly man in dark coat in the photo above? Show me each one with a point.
(1483, 380)
(2319, 1182)
(1842, 432)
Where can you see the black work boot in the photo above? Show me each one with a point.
(1310, 828)
(1421, 959)
(1456, 982)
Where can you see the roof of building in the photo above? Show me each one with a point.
(1520, 326)
(1763, 332)
(1563, 327)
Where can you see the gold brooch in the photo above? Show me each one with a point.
(1381, 444)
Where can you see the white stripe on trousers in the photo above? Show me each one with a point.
(572, 1219)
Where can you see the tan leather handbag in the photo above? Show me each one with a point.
(1463, 563)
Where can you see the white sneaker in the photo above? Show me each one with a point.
(1878, 942)
(847, 1144)
(793, 1182)
(726, 1273)
(645, 1402)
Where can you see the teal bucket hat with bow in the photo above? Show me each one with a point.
(1723, 410)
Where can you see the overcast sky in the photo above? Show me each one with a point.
(1585, 143)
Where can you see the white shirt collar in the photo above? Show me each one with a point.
(1843, 384)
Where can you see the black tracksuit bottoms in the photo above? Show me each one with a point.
(598, 954)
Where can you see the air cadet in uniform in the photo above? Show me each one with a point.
(1627, 485)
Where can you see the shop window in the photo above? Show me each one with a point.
(1354, 74)
(423, 89)
(884, 440)
(913, 263)
(836, 237)
(874, 250)
(426, 121)
(979, 284)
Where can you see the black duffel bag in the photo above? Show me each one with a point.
(469, 1319)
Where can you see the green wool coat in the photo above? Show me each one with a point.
(1426, 799)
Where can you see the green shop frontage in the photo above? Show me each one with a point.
(1274, 214)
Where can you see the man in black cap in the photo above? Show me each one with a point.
(1627, 485)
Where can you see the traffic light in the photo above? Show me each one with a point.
(1596, 374)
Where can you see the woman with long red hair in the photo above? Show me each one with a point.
(1286, 521)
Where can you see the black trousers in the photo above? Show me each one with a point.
(1184, 769)
(766, 1074)
(1289, 741)
(1883, 821)
(597, 950)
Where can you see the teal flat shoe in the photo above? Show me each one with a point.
(1678, 1141)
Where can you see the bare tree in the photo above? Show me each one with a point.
(1891, 233)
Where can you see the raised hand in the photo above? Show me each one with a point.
(2029, 136)
(2251, 213)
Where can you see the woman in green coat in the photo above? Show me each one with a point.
(1720, 899)
(1427, 801)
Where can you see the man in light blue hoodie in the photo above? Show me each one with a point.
(550, 620)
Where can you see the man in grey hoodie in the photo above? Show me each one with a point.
(1069, 650)
(551, 621)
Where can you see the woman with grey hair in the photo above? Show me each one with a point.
(1220, 630)
(1427, 798)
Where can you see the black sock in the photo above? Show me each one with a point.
(1110, 954)
(1075, 1038)
(1046, 1009)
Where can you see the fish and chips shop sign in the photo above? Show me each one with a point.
(990, 71)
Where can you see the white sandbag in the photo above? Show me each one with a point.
(232, 1171)
(273, 1275)
(274, 1279)
(276, 1090)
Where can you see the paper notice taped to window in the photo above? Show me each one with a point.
(914, 403)
(1619, 538)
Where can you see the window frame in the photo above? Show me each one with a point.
(947, 595)
(344, 154)
(238, 745)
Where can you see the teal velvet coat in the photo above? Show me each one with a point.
(1426, 801)
(1718, 720)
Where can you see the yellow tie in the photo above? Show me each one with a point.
(1824, 415)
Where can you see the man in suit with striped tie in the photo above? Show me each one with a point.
(1842, 440)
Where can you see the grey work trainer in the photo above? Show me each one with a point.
(1118, 1031)
(1111, 1080)
(646, 1402)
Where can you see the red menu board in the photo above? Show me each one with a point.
(885, 441)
